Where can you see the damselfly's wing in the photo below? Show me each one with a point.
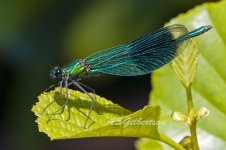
(141, 56)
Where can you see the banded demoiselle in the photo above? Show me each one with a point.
(139, 57)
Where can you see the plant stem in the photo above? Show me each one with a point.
(169, 141)
(192, 119)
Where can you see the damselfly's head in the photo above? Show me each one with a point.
(56, 73)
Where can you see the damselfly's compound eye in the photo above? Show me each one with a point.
(56, 72)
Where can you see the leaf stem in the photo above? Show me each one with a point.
(191, 119)
(170, 142)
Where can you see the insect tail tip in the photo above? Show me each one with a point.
(209, 27)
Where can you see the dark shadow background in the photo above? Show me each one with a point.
(35, 34)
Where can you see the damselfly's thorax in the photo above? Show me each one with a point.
(84, 65)
(74, 70)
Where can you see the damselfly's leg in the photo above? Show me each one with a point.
(62, 106)
(93, 100)
(54, 98)
(50, 87)
(92, 90)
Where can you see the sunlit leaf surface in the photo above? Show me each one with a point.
(112, 120)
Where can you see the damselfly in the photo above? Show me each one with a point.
(138, 57)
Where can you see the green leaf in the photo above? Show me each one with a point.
(209, 84)
(185, 65)
(112, 119)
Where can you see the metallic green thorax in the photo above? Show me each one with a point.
(75, 69)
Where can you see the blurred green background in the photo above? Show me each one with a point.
(36, 34)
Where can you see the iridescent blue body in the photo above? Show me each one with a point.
(138, 57)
